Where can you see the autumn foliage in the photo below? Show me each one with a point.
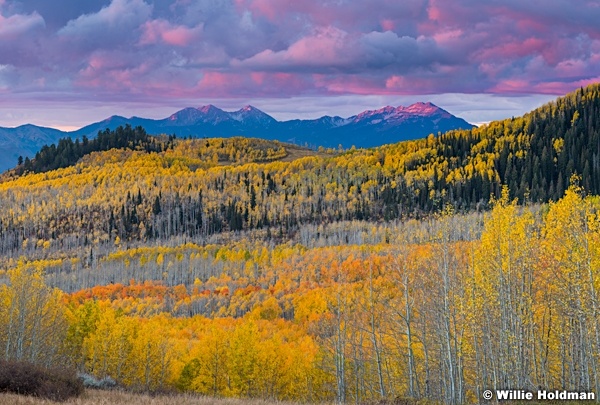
(512, 300)
(324, 278)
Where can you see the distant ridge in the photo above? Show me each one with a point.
(367, 129)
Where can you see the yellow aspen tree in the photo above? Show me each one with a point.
(502, 296)
(571, 236)
(242, 360)
(211, 359)
(108, 348)
(151, 354)
(33, 323)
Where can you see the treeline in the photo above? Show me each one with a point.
(534, 155)
(67, 152)
(440, 319)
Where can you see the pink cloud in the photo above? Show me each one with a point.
(325, 47)
(156, 31)
(277, 9)
(278, 48)
(343, 15)
(219, 84)
(349, 85)
(105, 71)
(510, 50)
(549, 87)
(388, 24)
(434, 12)
(258, 77)
(217, 80)
(563, 87)
(398, 83)
(426, 83)
(269, 9)
(511, 86)
(456, 13)
(448, 37)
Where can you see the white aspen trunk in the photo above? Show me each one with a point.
(413, 388)
(374, 341)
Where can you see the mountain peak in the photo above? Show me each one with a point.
(401, 113)
(209, 108)
(251, 113)
(248, 110)
(426, 109)
(192, 116)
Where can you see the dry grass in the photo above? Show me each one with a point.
(296, 152)
(293, 152)
(95, 397)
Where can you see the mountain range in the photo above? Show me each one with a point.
(367, 129)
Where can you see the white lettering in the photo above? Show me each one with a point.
(502, 394)
(564, 395)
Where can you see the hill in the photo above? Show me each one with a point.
(370, 128)
(534, 155)
(24, 141)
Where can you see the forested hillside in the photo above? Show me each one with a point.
(241, 267)
(159, 189)
(67, 152)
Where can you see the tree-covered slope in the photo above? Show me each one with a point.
(201, 187)
(67, 152)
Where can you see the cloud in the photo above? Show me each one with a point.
(332, 50)
(243, 85)
(157, 31)
(57, 13)
(346, 15)
(387, 49)
(326, 48)
(18, 44)
(15, 26)
(176, 49)
(114, 25)
(7, 76)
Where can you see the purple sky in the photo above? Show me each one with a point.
(65, 63)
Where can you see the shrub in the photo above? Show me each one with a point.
(89, 381)
(28, 379)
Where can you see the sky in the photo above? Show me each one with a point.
(67, 63)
